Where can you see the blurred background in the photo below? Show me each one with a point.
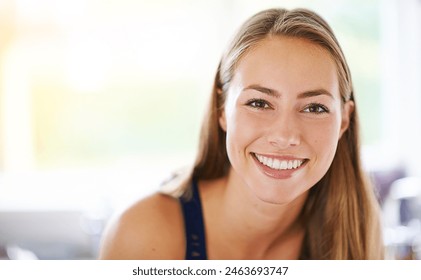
(101, 100)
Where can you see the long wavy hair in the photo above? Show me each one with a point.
(341, 214)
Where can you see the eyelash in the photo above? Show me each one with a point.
(263, 104)
(320, 108)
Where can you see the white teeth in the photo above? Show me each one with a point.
(265, 161)
(284, 164)
(279, 164)
(276, 164)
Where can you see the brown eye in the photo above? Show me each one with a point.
(258, 104)
(316, 108)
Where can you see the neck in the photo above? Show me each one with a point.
(257, 229)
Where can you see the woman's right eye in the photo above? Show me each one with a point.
(258, 104)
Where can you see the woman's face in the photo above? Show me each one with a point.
(283, 118)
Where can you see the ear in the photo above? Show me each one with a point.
(223, 120)
(347, 111)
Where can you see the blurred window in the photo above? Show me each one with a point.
(107, 96)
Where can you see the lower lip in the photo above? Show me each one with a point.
(277, 174)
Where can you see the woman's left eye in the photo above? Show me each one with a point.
(316, 108)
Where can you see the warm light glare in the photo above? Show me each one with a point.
(87, 65)
(17, 126)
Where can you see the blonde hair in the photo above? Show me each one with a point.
(341, 215)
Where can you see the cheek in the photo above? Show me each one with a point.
(242, 130)
(324, 140)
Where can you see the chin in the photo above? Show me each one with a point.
(279, 198)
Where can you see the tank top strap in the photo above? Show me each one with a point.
(194, 225)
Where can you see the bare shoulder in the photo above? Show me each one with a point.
(153, 228)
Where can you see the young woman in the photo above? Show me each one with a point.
(278, 174)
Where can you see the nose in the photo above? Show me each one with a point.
(284, 131)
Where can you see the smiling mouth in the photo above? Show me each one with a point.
(280, 164)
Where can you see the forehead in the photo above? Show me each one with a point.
(288, 64)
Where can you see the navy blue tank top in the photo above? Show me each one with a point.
(194, 225)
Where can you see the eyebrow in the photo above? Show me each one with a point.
(316, 92)
(264, 90)
(302, 95)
